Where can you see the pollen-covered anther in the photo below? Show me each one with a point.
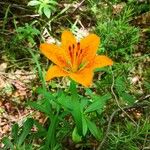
(78, 45)
(70, 51)
(73, 46)
(78, 49)
(69, 48)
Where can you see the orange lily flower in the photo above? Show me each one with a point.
(76, 60)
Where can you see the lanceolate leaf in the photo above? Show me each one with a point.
(66, 102)
(75, 136)
(8, 143)
(77, 114)
(93, 129)
(53, 2)
(47, 11)
(128, 98)
(120, 85)
(14, 132)
(33, 3)
(84, 125)
(51, 133)
(39, 107)
(45, 93)
(26, 130)
(98, 104)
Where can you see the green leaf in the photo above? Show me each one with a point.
(8, 143)
(75, 136)
(120, 85)
(98, 104)
(65, 101)
(39, 126)
(33, 3)
(26, 130)
(84, 125)
(88, 91)
(40, 10)
(51, 133)
(84, 102)
(45, 93)
(93, 129)
(128, 98)
(47, 11)
(52, 2)
(147, 85)
(39, 107)
(27, 147)
(41, 131)
(14, 132)
(73, 90)
(52, 8)
(77, 114)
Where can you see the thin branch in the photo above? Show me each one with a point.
(108, 128)
(15, 6)
(23, 16)
(116, 99)
(111, 118)
(78, 6)
(24, 73)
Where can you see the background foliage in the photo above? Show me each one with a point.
(113, 113)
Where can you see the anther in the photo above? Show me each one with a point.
(76, 54)
(73, 46)
(78, 45)
(69, 48)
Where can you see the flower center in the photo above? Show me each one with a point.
(76, 54)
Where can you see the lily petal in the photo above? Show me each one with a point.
(89, 45)
(54, 53)
(100, 61)
(67, 39)
(55, 71)
(83, 77)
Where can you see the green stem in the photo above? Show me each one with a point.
(51, 134)
(39, 68)
(73, 90)
(77, 114)
(5, 17)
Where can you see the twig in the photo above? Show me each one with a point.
(10, 33)
(116, 99)
(23, 16)
(15, 6)
(6, 73)
(79, 5)
(145, 97)
(108, 128)
(19, 60)
(111, 118)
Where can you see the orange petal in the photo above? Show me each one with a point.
(54, 53)
(89, 45)
(83, 77)
(100, 61)
(55, 71)
(67, 39)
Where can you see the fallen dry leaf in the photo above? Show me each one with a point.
(3, 67)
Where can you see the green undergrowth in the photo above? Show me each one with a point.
(114, 113)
